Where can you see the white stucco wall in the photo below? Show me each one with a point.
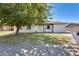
(14, 29)
(59, 27)
(35, 28)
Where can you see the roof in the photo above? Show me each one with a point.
(55, 22)
(52, 22)
(72, 25)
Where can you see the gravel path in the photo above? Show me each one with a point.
(37, 50)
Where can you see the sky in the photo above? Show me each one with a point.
(67, 12)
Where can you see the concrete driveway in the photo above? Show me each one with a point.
(72, 38)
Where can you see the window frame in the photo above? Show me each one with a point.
(28, 27)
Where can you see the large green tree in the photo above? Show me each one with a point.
(23, 14)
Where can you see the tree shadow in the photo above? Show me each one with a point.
(27, 45)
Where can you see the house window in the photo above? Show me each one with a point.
(12, 29)
(78, 34)
(48, 27)
(28, 27)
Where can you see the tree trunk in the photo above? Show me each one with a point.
(17, 30)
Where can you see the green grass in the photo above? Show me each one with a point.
(5, 33)
(34, 38)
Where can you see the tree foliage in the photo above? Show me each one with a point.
(23, 14)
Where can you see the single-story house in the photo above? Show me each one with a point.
(74, 29)
(49, 26)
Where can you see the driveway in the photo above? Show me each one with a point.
(70, 35)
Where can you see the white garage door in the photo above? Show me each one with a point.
(59, 28)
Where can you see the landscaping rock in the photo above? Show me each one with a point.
(38, 50)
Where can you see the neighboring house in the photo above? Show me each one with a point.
(74, 29)
(6, 28)
(49, 26)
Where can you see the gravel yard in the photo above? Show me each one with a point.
(37, 45)
(38, 50)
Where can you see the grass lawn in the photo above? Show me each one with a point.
(9, 38)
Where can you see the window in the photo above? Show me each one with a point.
(77, 33)
(12, 29)
(48, 27)
(28, 27)
(1, 28)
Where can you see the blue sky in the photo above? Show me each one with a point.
(67, 12)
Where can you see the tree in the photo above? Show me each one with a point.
(23, 14)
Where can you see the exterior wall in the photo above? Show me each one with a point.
(35, 28)
(43, 28)
(48, 30)
(14, 29)
(6, 28)
(24, 29)
(75, 29)
(59, 27)
(68, 29)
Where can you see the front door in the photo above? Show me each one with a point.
(48, 28)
